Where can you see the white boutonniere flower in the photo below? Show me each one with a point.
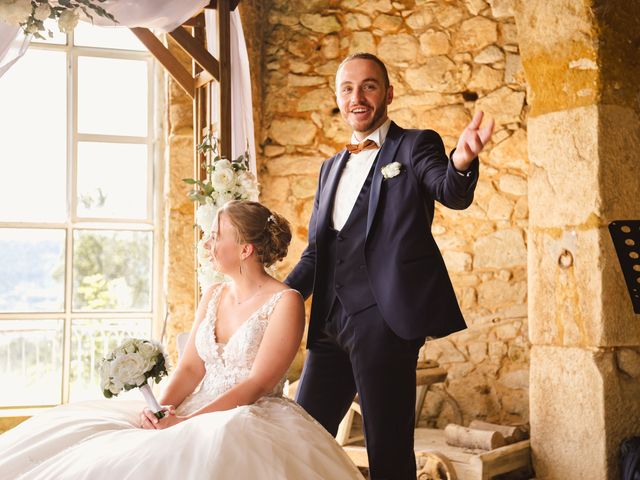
(391, 170)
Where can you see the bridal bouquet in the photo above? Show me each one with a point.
(226, 180)
(31, 14)
(130, 366)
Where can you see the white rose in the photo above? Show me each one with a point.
(129, 369)
(205, 215)
(15, 12)
(391, 170)
(148, 351)
(68, 20)
(128, 346)
(116, 387)
(247, 182)
(42, 12)
(225, 197)
(223, 179)
(222, 164)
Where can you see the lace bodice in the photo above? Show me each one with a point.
(228, 364)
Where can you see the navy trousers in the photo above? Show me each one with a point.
(360, 353)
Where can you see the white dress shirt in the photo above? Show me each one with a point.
(354, 175)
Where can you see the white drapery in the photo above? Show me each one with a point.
(13, 44)
(241, 100)
(164, 16)
(159, 15)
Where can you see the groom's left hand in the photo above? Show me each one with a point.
(471, 142)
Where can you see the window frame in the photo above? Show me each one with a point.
(154, 211)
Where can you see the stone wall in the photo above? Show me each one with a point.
(446, 58)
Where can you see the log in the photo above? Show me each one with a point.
(511, 434)
(460, 436)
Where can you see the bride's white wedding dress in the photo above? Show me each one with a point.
(271, 439)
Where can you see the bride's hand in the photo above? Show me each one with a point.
(149, 421)
(169, 421)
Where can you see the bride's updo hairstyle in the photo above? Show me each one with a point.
(267, 231)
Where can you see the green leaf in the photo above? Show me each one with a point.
(190, 181)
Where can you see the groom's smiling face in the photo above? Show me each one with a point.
(362, 95)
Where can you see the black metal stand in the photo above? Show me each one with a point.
(626, 239)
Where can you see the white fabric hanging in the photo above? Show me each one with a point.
(241, 100)
(13, 44)
(159, 15)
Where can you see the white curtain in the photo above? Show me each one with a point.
(160, 15)
(241, 102)
(13, 44)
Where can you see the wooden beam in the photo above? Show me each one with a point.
(166, 59)
(197, 51)
(232, 4)
(224, 30)
(201, 104)
(203, 78)
(197, 21)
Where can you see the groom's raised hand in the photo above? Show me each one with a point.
(472, 141)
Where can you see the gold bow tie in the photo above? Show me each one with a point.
(358, 147)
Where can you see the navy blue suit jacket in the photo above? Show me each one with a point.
(406, 271)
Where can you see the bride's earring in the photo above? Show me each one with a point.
(241, 260)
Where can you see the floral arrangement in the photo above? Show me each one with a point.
(226, 180)
(130, 366)
(31, 14)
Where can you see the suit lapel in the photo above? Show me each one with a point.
(387, 154)
(329, 191)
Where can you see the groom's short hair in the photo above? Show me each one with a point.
(367, 56)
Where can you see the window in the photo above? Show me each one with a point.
(79, 196)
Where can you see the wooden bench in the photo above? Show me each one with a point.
(437, 460)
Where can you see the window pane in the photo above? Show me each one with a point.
(86, 35)
(93, 339)
(31, 270)
(112, 96)
(58, 38)
(33, 150)
(112, 270)
(30, 362)
(112, 180)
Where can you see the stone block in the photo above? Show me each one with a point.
(585, 304)
(575, 392)
(398, 49)
(475, 33)
(501, 249)
(434, 42)
(504, 105)
(320, 23)
(292, 131)
(556, 181)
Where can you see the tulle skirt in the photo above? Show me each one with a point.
(100, 440)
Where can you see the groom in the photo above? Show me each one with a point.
(378, 280)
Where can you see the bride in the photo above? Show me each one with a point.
(227, 416)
